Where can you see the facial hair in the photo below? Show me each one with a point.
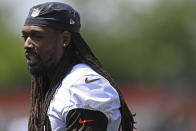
(39, 65)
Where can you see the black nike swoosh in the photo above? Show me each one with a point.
(89, 81)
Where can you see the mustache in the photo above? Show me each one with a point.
(30, 52)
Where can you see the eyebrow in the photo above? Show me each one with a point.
(33, 31)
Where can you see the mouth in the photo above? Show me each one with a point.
(32, 59)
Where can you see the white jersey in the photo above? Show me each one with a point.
(83, 88)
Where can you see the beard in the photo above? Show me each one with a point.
(38, 65)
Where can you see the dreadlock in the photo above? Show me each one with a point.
(127, 122)
(42, 90)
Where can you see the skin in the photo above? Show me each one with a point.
(44, 47)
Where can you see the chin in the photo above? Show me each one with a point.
(40, 68)
(36, 71)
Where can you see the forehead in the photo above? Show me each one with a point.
(36, 28)
(28, 29)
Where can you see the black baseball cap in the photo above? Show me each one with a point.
(55, 15)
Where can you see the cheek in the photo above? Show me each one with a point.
(57, 47)
(50, 50)
(60, 51)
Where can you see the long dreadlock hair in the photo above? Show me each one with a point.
(42, 90)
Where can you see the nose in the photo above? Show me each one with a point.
(28, 43)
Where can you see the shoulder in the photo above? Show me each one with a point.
(84, 79)
(78, 71)
(90, 90)
(83, 88)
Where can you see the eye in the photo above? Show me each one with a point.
(36, 36)
(24, 37)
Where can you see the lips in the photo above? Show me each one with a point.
(32, 59)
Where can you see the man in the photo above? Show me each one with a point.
(70, 90)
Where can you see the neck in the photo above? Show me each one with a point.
(64, 64)
(51, 74)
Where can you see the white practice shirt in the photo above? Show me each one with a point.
(74, 92)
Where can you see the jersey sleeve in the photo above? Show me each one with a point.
(84, 95)
(86, 120)
(93, 98)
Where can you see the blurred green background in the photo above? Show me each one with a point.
(148, 46)
(137, 41)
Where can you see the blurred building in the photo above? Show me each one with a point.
(157, 109)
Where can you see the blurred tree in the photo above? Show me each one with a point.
(156, 43)
(12, 65)
(153, 44)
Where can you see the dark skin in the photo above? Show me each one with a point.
(44, 47)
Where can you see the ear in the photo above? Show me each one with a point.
(66, 38)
